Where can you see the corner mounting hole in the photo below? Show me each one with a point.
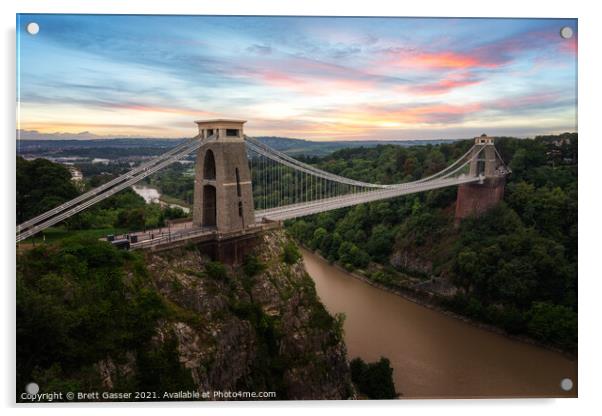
(566, 384)
(566, 32)
(32, 388)
(33, 28)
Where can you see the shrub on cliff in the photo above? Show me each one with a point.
(252, 266)
(290, 253)
(216, 270)
(375, 380)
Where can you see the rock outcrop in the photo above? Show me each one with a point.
(264, 332)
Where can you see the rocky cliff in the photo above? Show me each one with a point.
(259, 327)
(95, 319)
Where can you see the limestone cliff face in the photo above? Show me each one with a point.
(412, 261)
(267, 332)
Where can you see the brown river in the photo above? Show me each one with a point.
(434, 355)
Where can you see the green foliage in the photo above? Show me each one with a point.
(159, 368)
(290, 253)
(320, 318)
(76, 307)
(375, 380)
(555, 324)
(216, 270)
(131, 219)
(252, 266)
(352, 256)
(267, 372)
(41, 185)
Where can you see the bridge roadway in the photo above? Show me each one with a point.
(327, 204)
(184, 232)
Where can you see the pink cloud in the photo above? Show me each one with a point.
(406, 114)
(446, 84)
(309, 77)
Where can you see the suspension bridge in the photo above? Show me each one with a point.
(241, 184)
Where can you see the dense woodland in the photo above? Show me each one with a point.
(515, 267)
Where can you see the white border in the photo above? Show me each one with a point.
(589, 150)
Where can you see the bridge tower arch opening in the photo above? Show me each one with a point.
(223, 195)
(209, 166)
(209, 206)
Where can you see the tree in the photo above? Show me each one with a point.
(380, 244)
(131, 219)
(375, 380)
(216, 270)
(318, 236)
(290, 253)
(41, 186)
(556, 324)
(300, 230)
(76, 305)
(253, 266)
(352, 257)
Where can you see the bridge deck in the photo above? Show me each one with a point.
(327, 204)
(186, 232)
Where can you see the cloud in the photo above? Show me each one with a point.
(446, 84)
(260, 49)
(533, 102)
(349, 77)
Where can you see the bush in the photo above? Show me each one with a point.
(556, 324)
(132, 219)
(375, 380)
(290, 253)
(216, 270)
(252, 266)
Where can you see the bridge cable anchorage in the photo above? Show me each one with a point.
(102, 192)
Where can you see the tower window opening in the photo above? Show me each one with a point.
(240, 208)
(238, 192)
(232, 132)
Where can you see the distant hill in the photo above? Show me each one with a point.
(115, 148)
(312, 148)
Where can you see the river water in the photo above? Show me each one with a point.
(152, 195)
(434, 355)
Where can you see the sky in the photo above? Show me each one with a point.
(317, 78)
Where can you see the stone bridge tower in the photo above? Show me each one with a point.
(477, 198)
(223, 195)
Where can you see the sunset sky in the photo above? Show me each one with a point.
(314, 78)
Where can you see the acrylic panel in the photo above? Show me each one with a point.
(295, 208)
